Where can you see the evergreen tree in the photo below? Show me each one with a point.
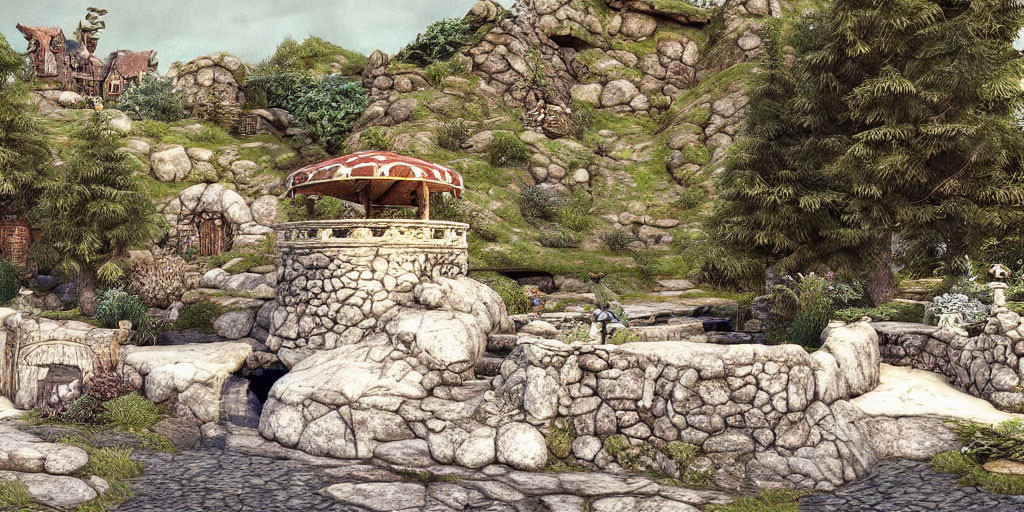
(24, 155)
(92, 213)
(903, 124)
(775, 206)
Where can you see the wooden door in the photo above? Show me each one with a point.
(210, 238)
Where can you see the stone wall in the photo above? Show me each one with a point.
(31, 347)
(246, 224)
(760, 415)
(382, 334)
(211, 86)
(987, 366)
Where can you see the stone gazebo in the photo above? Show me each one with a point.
(373, 314)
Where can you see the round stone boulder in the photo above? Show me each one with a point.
(234, 325)
(521, 446)
(65, 460)
(618, 92)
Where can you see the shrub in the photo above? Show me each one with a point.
(317, 55)
(163, 281)
(447, 207)
(622, 336)
(617, 240)
(506, 149)
(325, 107)
(691, 198)
(131, 412)
(535, 203)
(198, 316)
(116, 305)
(153, 98)
(453, 134)
(10, 283)
(111, 463)
(577, 334)
(375, 138)
(560, 239)
(982, 442)
(813, 313)
(577, 212)
(645, 263)
(80, 412)
(970, 310)
(107, 386)
(888, 312)
(582, 118)
(439, 42)
(516, 301)
(438, 71)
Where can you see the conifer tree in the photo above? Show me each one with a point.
(904, 110)
(775, 207)
(24, 155)
(92, 213)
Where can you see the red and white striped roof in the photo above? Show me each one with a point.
(393, 178)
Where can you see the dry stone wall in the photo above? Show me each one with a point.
(987, 366)
(211, 85)
(761, 415)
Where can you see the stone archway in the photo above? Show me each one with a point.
(212, 218)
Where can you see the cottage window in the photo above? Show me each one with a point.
(249, 125)
(114, 87)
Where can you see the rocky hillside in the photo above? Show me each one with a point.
(588, 131)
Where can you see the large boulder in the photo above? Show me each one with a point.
(521, 446)
(618, 92)
(171, 164)
(234, 325)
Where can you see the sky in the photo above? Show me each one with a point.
(251, 29)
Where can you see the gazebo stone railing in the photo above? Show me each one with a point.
(397, 233)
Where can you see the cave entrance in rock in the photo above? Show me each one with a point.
(57, 375)
(261, 380)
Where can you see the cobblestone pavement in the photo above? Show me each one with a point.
(910, 486)
(248, 474)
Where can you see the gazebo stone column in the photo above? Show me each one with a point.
(372, 315)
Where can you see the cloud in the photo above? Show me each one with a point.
(250, 29)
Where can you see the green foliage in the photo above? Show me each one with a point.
(199, 315)
(93, 213)
(617, 240)
(516, 301)
(448, 208)
(81, 412)
(438, 71)
(616, 444)
(535, 203)
(111, 463)
(24, 155)
(582, 119)
(888, 312)
(14, 495)
(116, 305)
(131, 413)
(10, 283)
(952, 462)
(325, 107)
(982, 442)
(153, 98)
(559, 440)
(577, 212)
(622, 336)
(507, 150)
(439, 42)
(316, 55)
(645, 264)
(451, 135)
(577, 334)
(375, 138)
(770, 500)
(560, 239)
(799, 314)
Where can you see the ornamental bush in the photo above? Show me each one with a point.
(325, 107)
(116, 305)
(440, 41)
(153, 98)
(131, 412)
(507, 149)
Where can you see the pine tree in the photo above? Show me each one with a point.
(92, 213)
(775, 207)
(902, 125)
(24, 155)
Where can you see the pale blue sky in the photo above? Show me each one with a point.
(251, 29)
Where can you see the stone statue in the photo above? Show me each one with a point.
(89, 30)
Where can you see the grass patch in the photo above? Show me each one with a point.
(119, 493)
(516, 301)
(199, 316)
(559, 440)
(14, 495)
(770, 500)
(131, 413)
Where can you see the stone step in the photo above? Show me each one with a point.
(501, 343)
(489, 366)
